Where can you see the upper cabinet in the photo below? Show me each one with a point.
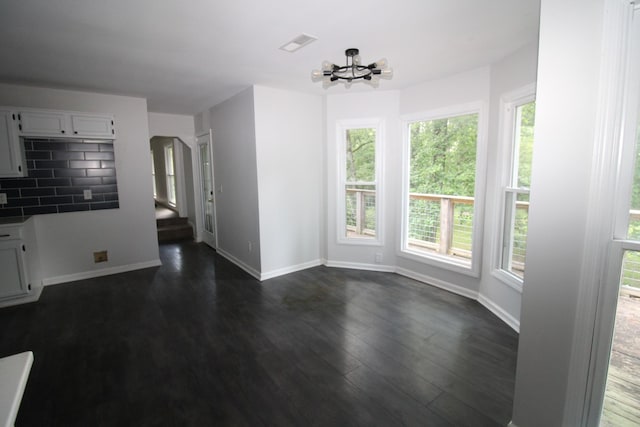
(12, 161)
(66, 124)
(93, 126)
(42, 123)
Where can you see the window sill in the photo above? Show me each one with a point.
(355, 241)
(508, 279)
(441, 262)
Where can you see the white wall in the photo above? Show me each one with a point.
(66, 242)
(236, 180)
(172, 125)
(567, 95)
(288, 128)
(514, 72)
(365, 105)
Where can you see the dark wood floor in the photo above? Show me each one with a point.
(198, 342)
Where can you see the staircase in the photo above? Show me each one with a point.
(173, 229)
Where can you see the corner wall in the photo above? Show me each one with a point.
(567, 102)
(289, 160)
(236, 180)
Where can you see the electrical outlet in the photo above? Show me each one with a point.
(87, 194)
(3, 198)
(250, 246)
(100, 256)
(378, 257)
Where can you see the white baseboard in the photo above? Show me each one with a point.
(498, 311)
(360, 266)
(98, 273)
(291, 269)
(252, 271)
(459, 290)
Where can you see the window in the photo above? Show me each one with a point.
(153, 175)
(171, 177)
(517, 139)
(359, 148)
(441, 165)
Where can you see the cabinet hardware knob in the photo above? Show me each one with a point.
(62, 131)
(75, 132)
(24, 249)
(5, 235)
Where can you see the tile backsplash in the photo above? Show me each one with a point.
(59, 172)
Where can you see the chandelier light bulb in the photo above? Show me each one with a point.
(387, 73)
(327, 66)
(317, 75)
(382, 63)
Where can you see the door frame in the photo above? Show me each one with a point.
(209, 135)
(602, 258)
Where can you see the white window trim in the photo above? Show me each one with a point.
(437, 260)
(170, 159)
(341, 128)
(506, 125)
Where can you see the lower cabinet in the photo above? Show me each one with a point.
(15, 280)
(19, 263)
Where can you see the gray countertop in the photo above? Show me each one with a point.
(14, 220)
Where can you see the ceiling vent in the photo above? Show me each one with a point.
(298, 42)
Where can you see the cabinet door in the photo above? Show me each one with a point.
(11, 153)
(95, 126)
(13, 280)
(43, 123)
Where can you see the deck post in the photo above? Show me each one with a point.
(446, 225)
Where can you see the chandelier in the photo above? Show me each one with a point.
(332, 74)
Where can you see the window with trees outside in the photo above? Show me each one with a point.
(359, 172)
(519, 119)
(171, 176)
(439, 204)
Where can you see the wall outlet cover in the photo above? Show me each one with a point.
(100, 256)
(3, 198)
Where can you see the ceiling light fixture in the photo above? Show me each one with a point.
(332, 74)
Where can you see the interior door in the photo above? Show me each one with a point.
(207, 194)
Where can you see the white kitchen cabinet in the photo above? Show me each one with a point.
(43, 123)
(70, 124)
(91, 125)
(12, 161)
(14, 281)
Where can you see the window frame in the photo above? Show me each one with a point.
(342, 126)
(509, 103)
(434, 259)
(169, 162)
(153, 176)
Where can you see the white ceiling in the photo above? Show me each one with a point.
(185, 56)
